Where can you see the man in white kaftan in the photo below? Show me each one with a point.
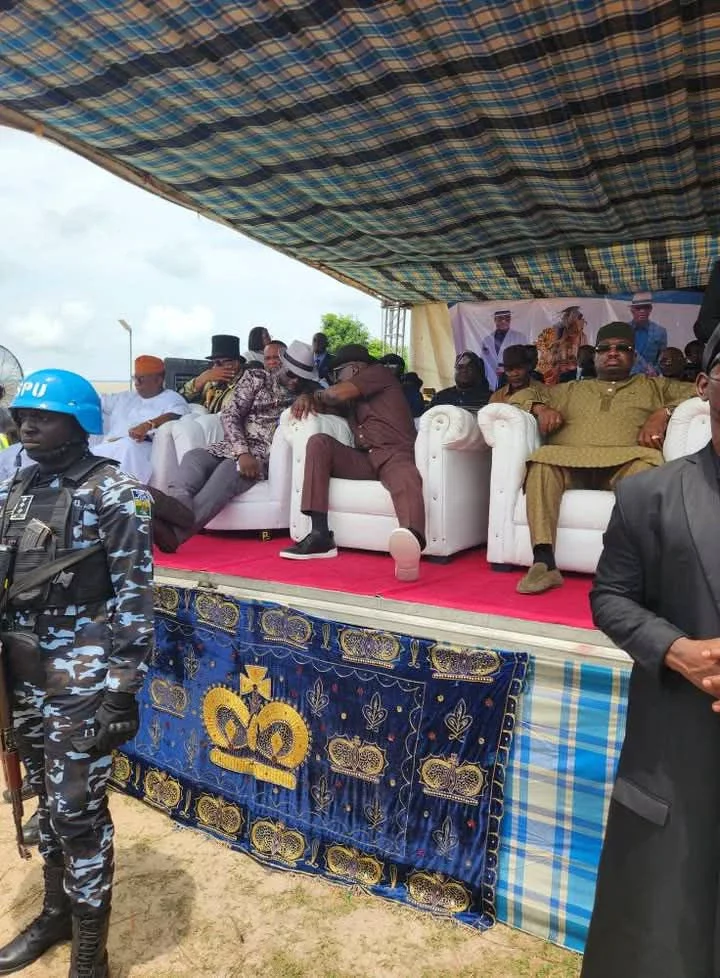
(131, 418)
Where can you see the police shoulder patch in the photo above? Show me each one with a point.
(143, 503)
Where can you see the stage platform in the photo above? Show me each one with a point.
(571, 715)
(464, 595)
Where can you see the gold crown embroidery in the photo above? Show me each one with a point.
(372, 648)
(121, 770)
(161, 790)
(448, 778)
(219, 815)
(438, 893)
(167, 599)
(357, 758)
(265, 738)
(464, 662)
(353, 865)
(169, 697)
(280, 625)
(275, 841)
(214, 610)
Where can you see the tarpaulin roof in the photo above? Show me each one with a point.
(420, 150)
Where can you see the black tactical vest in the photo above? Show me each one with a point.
(37, 528)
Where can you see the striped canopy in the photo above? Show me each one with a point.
(418, 149)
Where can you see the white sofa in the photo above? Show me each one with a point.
(584, 514)
(454, 463)
(163, 456)
(264, 507)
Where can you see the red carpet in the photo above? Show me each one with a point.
(467, 582)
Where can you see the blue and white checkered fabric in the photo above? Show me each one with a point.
(446, 150)
(557, 791)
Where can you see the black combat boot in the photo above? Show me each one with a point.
(52, 926)
(89, 941)
(28, 791)
(31, 831)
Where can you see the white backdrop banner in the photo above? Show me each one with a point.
(473, 321)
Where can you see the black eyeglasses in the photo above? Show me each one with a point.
(618, 347)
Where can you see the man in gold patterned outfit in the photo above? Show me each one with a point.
(597, 432)
(214, 387)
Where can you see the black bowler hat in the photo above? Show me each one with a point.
(225, 348)
(352, 353)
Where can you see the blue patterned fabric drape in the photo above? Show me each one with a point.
(372, 758)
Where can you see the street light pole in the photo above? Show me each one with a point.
(128, 329)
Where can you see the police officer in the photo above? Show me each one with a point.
(77, 644)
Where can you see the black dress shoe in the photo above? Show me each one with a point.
(314, 546)
(164, 536)
(171, 510)
(31, 831)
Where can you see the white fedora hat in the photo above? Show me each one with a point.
(298, 359)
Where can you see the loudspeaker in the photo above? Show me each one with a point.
(179, 371)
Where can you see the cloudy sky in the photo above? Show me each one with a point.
(81, 249)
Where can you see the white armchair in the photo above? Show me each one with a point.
(454, 463)
(264, 507)
(163, 457)
(584, 514)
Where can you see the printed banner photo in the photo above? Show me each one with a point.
(487, 328)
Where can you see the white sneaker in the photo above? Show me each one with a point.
(405, 551)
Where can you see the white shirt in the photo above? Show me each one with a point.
(127, 409)
(492, 357)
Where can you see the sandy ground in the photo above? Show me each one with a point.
(186, 905)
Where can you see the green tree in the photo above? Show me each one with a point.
(341, 330)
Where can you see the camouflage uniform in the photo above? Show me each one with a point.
(85, 649)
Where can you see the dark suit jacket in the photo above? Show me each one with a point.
(324, 366)
(658, 579)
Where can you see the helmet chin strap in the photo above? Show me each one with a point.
(57, 459)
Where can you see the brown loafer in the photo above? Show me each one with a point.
(539, 579)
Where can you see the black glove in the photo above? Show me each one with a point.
(116, 721)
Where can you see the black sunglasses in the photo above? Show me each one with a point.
(618, 347)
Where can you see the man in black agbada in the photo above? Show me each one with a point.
(657, 595)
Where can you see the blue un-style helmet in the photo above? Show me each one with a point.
(64, 392)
